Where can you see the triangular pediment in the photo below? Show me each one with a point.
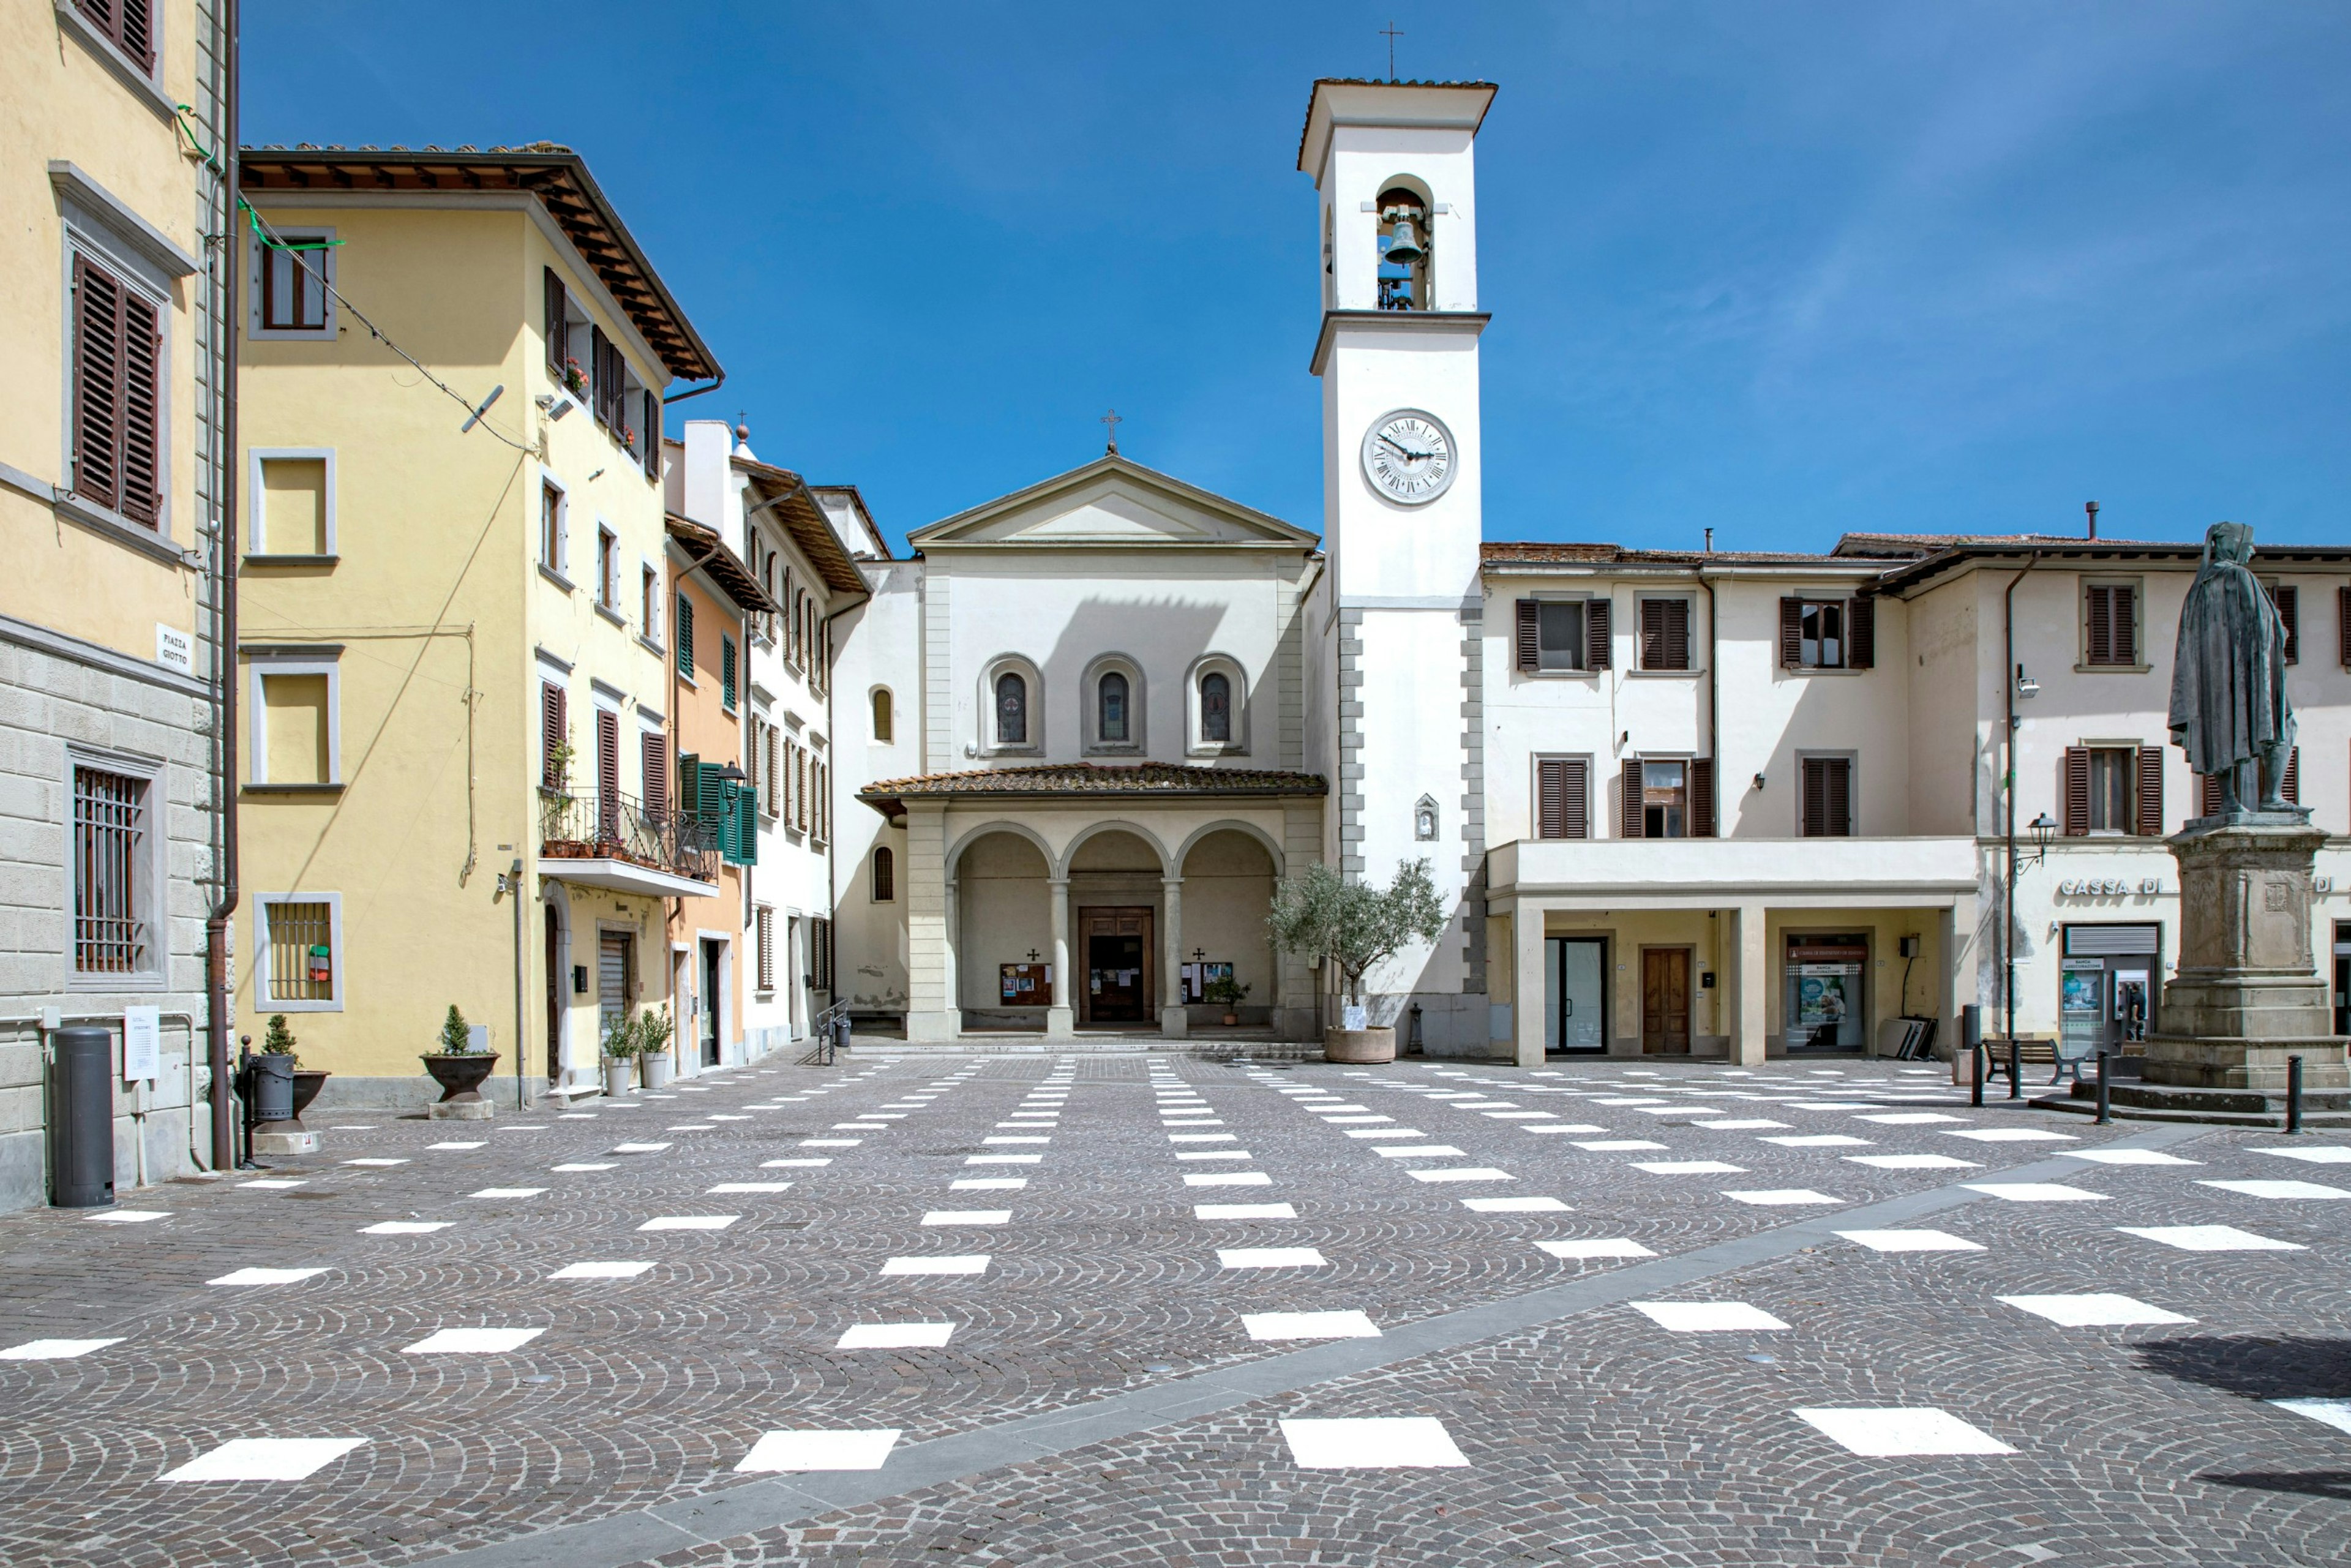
(1113, 502)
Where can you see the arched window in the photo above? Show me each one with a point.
(1404, 244)
(882, 716)
(1215, 707)
(1011, 710)
(1111, 723)
(885, 876)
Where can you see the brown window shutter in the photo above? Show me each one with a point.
(649, 433)
(141, 496)
(2126, 634)
(2077, 791)
(1551, 797)
(1701, 797)
(1652, 634)
(1861, 634)
(2100, 635)
(2291, 788)
(1628, 813)
(2289, 607)
(552, 731)
(656, 765)
(1815, 805)
(1596, 643)
(608, 754)
(1677, 634)
(2150, 791)
(1791, 633)
(2342, 624)
(600, 374)
(2208, 794)
(557, 344)
(97, 384)
(1529, 634)
(1577, 803)
(1828, 797)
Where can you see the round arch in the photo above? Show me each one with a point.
(1115, 825)
(1018, 830)
(1231, 825)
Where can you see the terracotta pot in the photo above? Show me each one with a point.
(461, 1073)
(1232, 1019)
(1359, 1045)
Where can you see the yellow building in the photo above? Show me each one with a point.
(455, 641)
(112, 462)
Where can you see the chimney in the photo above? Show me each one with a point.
(1710, 541)
(2092, 508)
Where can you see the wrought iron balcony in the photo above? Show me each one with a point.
(594, 825)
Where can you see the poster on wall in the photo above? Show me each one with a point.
(142, 1043)
(1024, 985)
(1198, 977)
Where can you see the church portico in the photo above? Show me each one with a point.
(1062, 899)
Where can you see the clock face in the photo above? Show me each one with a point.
(1409, 457)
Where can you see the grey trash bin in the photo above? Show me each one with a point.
(81, 1118)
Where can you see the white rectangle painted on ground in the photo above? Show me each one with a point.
(1310, 1325)
(265, 1276)
(1564, 1127)
(1004, 1159)
(2095, 1309)
(989, 1183)
(2322, 1154)
(896, 1336)
(970, 1263)
(2291, 1191)
(638, 1148)
(2211, 1238)
(795, 1165)
(1230, 1178)
(405, 1227)
(1708, 1317)
(784, 1452)
(1514, 1205)
(1907, 1118)
(55, 1349)
(1782, 1196)
(1913, 1162)
(458, 1145)
(1204, 1138)
(1901, 1432)
(1379, 1443)
(690, 1222)
(2008, 1134)
(600, 1271)
(375, 1162)
(2034, 1191)
(1742, 1125)
(1421, 1151)
(1243, 1211)
(1912, 1240)
(472, 1341)
(1015, 1138)
(584, 1166)
(1616, 1146)
(2125, 1157)
(2334, 1413)
(967, 1216)
(747, 1187)
(264, 1459)
(1606, 1247)
(1270, 1258)
(1689, 1167)
(507, 1192)
(1462, 1173)
(1821, 1141)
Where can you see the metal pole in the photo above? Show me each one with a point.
(2105, 1104)
(2293, 1094)
(2015, 1069)
(1971, 1035)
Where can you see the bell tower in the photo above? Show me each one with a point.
(1394, 169)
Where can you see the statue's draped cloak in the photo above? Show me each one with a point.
(2227, 674)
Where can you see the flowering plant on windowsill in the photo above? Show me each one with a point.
(575, 379)
(628, 437)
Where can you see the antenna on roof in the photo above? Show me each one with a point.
(2092, 508)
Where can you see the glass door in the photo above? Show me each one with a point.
(1575, 996)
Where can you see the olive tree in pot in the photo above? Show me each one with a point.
(1355, 927)
(1228, 993)
(460, 1070)
(619, 1046)
(653, 1028)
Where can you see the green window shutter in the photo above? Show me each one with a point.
(726, 669)
(710, 791)
(684, 635)
(728, 851)
(746, 824)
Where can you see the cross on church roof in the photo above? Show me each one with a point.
(1392, 32)
(1112, 421)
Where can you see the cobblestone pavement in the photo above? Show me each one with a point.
(1110, 1310)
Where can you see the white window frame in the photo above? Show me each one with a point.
(257, 254)
(990, 745)
(262, 903)
(155, 909)
(257, 498)
(892, 697)
(561, 569)
(1196, 743)
(1582, 649)
(653, 590)
(607, 570)
(147, 84)
(263, 664)
(1852, 759)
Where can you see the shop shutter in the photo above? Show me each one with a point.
(1628, 805)
(2150, 791)
(1530, 633)
(1791, 633)
(1701, 797)
(2077, 791)
(559, 328)
(1861, 634)
(1597, 647)
(2289, 607)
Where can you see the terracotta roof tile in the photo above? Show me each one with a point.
(1064, 778)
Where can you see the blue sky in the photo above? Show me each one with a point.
(1784, 269)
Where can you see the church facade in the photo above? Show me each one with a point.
(1725, 804)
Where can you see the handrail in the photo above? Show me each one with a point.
(821, 1030)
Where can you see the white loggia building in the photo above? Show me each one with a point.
(1713, 803)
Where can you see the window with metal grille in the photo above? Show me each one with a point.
(110, 874)
(302, 957)
(821, 953)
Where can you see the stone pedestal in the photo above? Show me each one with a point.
(2247, 993)
(476, 1109)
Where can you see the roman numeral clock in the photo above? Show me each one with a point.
(1409, 457)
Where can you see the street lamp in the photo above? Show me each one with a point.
(2043, 829)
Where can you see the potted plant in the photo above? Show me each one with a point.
(575, 379)
(558, 778)
(653, 1028)
(459, 1069)
(1224, 991)
(277, 1039)
(620, 1045)
(1355, 927)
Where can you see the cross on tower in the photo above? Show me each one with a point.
(1112, 421)
(1392, 32)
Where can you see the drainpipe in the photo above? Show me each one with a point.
(225, 537)
(2008, 897)
(1713, 705)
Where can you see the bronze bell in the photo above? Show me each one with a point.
(1404, 248)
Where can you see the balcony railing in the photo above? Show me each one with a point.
(594, 825)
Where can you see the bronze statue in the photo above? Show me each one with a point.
(2229, 711)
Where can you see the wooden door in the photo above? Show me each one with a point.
(1665, 1001)
(1115, 965)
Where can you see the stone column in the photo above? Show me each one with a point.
(1061, 1019)
(1527, 988)
(931, 1011)
(2247, 993)
(1749, 961)
(1174, 1022)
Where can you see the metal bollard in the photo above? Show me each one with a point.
(2293, 1094)
(2015, 1070)
(2105, 1104)
(1972, 1036)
